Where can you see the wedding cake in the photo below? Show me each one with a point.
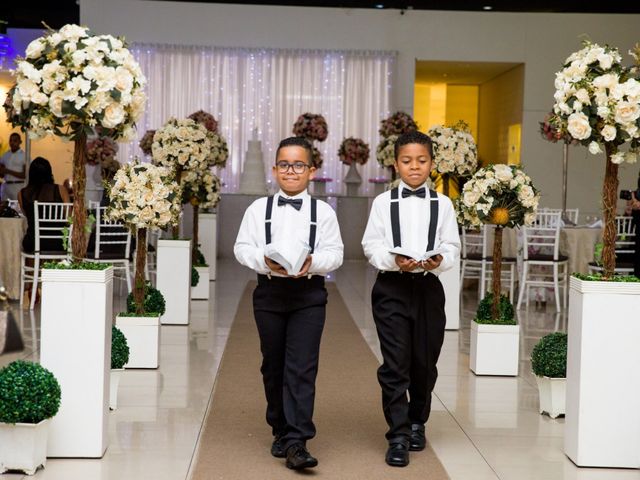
(253, 181)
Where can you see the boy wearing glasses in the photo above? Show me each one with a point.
(289, 309)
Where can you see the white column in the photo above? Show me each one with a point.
(174, 280)
(451, 284)
(208, 240)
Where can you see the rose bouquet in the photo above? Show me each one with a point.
(146, 142)
(206, 119)
(144, 196)
(397, 124)
(182, 145)
(311, 126)
(72, 83)
(454, 150)
(502, 195)
(597, 102)
(353, 150)
(219, 150)
(385, 152)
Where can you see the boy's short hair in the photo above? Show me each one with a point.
(296, 142)
(413, 137)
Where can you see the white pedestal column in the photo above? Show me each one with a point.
(201, 290)
(174, 280)
(207, 234)
(451, 284)
(493, 349)
(602, 427)
(143, 338)
(76, 348)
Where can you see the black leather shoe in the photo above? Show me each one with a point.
(277, 448)
(298, 457)
(397, 455)
(417, 440)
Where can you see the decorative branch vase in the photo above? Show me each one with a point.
(353, 180)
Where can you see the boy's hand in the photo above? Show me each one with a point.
(431, 262)
(305, 268)
(406, 264)
(275, 266)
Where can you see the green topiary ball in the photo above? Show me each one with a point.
(195, 277)
(119, 348)
(29, 393)
(549, 356)
(505, 308)
(153, 301)
(200, 260)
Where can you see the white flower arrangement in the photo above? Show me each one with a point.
(219, 150)
(203, 191)
(144, 195)
(498, 194)
(454, 150)
(385, 151)
(182, 145)
(73, 82)
(597, 101)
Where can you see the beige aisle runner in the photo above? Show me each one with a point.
(350, 443)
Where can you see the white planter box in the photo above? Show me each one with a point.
(201, 291)
(450, 280)
(23, 446)
(494, 349)
(208, 238)
(174, 280)
(143, 338)
(76, 347)
(114, 376)
(602, 427)
(553, 395)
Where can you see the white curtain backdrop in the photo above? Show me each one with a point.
(267, 89)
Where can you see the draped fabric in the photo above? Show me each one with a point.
(267, 89)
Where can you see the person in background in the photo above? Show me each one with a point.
(41, 188)
(13, 168)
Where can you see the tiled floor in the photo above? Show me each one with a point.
(481, 427)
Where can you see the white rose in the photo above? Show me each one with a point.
(27, 89)
(608, 80)
(609, 133)
(632, 130)
(632, 88)
(503, 173)
(79, 57)
(128, 135)
(105, 77)
(30, 72)
(583, 96)
(54, 39)
(603, 112)
(471, 198)
(35, 48)
(70, 47)
(627, 112)
(39, 98)
(578, 126)
(617, 158)
(124, 79)
(114, 115)
(594, 148)
(529, 218)
(605, 61)
(73, 32)
(577, 106)
(526, 196)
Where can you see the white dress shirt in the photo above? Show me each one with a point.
(289, 224)
(414, 215)
(13, 161)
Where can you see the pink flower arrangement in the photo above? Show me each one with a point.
(552, 132)
(147, 141)
(397, 124)
(353, 150)
(206, 119)
(100, 150)
(311, 126)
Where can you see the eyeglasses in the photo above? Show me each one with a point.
(297, 167)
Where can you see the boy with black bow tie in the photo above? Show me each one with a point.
(407, 297)
(289, 307)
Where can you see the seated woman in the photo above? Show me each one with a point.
(41, 188)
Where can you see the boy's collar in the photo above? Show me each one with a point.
(302, 194)
(404, 185)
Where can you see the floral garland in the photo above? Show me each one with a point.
(353, 150)
(397, 124)
(311, 126)
(498, 194)
(454, 150)
(385, 152)
(205, 119)
(146, 142)
(597, 101)
(184, 144)
(204, 191)
(73, 82)
(144, 196)
(100, 150)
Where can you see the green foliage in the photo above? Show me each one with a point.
(597, 253)
(154, 304)
(484, 315)
(29, 393)
(77, 266)
(195, 277)
(598, 277)
(200, 260)
(119, 348)
(549, 356)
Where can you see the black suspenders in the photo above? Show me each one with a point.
(312, 228)
(395, 219)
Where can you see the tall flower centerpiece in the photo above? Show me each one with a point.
(353, 151)
(71, 84)
(390, 129)
(502, 195)
(313, 127)
(144, 196)
(219, 152)
(597, 102)
(454, 154)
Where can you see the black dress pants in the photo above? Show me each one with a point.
(290, 315)
(408, 309)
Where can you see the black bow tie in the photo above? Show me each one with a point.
(421, 192)
(294, 202)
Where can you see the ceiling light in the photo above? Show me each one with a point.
(379, 5)
(487, 7)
